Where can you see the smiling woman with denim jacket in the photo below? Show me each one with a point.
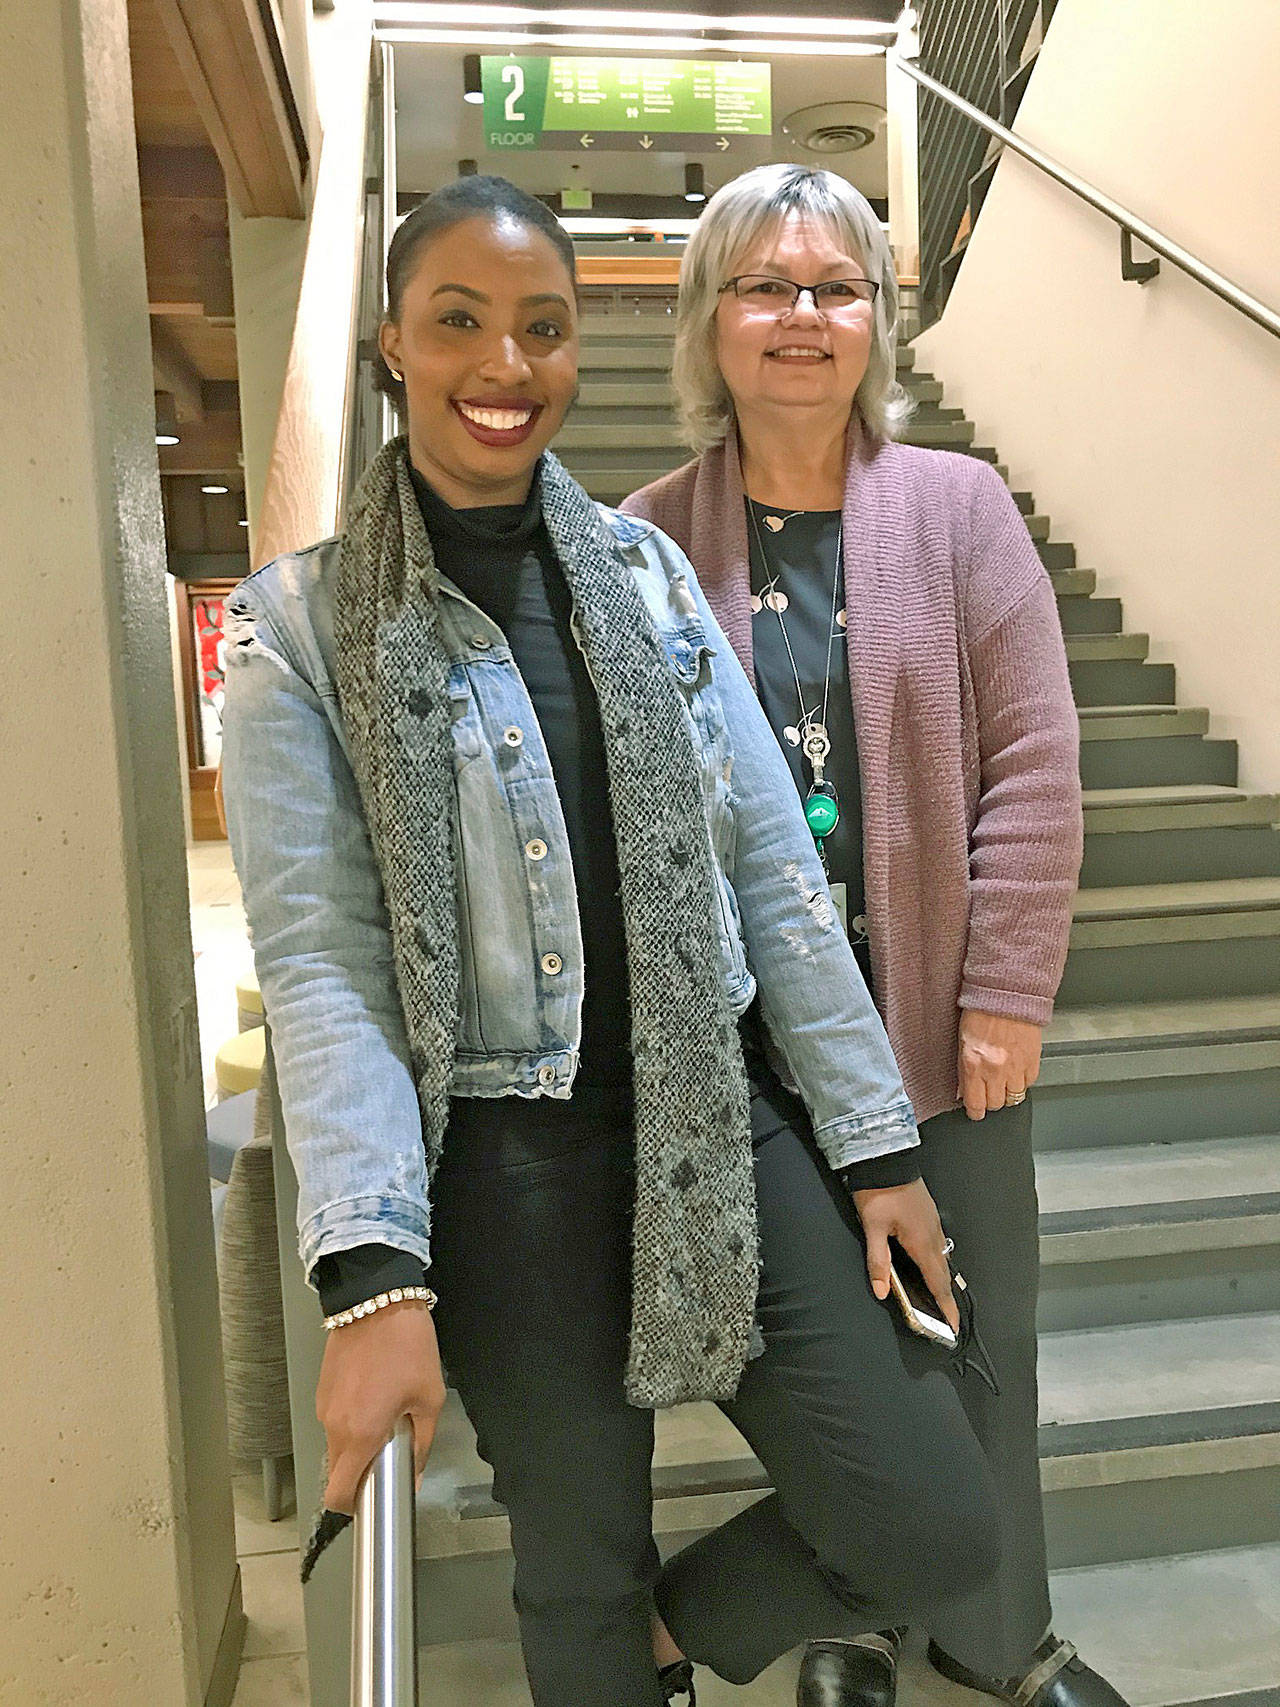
(518, 849)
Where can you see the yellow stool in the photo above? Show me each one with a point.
(239, 1062)
(249, 1001)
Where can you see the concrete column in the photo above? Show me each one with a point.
(902, 105)
(118, 1580)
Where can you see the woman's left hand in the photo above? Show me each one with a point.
(999, 1060)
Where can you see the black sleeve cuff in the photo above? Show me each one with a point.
(345, 1278)
(899, 1167)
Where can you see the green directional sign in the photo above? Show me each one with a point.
(624, 103)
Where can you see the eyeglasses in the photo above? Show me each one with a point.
(763, 294)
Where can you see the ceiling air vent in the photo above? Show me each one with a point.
(834, 127)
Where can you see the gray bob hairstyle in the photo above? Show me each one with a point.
(732, 223)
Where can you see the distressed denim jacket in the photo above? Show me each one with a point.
(321, 932)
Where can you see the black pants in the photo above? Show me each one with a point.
(883, 1509)
(982, 1177)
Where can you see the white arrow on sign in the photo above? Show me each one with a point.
(646, 141)
(586, 140)
(722, 142)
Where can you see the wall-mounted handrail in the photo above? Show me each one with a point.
(384, 1644)
(1128, 221)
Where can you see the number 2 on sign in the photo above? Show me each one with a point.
(513, 74)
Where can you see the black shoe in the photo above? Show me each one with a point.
(1058, 1677)
(857, 1672)
(676, 1680)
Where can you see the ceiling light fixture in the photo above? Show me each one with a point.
(166, 420)
(215, 491)
(541, 35)
(695, 186)
(472, 89)
(602, 225)
(604, 18)
(243, 523)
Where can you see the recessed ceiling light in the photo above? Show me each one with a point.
(215, 489)
(166, 419)
(695, 186)
(621, 19)
(541, 35)
(472, 89)
(243, 523)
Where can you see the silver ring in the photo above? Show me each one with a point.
(1015, 1099)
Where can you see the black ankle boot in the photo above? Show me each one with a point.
(676, 1680)
(857, 1672)
(1057, 1677)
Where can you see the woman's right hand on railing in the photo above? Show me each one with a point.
(374, 1372)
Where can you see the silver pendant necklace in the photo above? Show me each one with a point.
(822, 803)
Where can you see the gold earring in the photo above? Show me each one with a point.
(396, 376)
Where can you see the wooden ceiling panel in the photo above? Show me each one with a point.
(210, 349)
(164, 113)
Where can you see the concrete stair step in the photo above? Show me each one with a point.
(1056, 554)
(1089, 615)
(1121, 681)
(1152, 1198)
(648, 388)
(1151, 901)
(1178, 835)
(629, 332)
(1174, 941)
(1200, 1629)
(612, 485)
(1153, 1400)
(1194, 1630)
(1130, 722)
(1103, 648)
(941, 435)
(1117, 1042)
(1123, 746)
(1176, 798)
(1158, 1231)
(593, 436)
(1073, 583)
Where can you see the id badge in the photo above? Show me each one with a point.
(840, 895)
(856, 931)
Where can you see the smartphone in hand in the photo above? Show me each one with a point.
(920, 1309)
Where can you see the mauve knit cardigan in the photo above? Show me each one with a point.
(968, 740)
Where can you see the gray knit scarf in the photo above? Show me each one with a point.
(695, 1265)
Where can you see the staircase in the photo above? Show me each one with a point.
(987, 53)
(1158, 1163)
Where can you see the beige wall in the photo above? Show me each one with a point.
(1146, 418)
(117, 1564)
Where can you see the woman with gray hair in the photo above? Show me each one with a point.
(903, 639)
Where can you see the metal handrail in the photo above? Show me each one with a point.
(1128, 221)
(384, 1644)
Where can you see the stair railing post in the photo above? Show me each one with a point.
(384, 1647)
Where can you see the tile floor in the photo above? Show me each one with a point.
(221, 944)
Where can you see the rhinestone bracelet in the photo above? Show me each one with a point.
(397, 1295)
